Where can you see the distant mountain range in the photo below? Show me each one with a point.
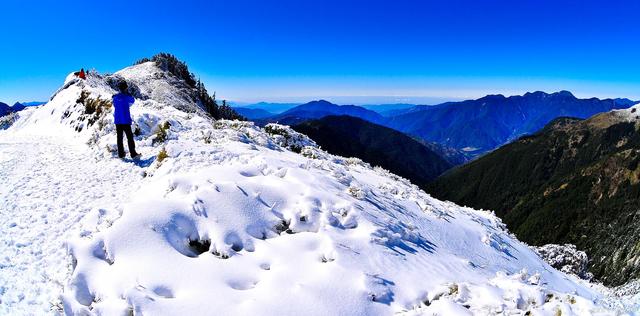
(319, 109)
(576, 181)
(378, 145)
(482, 125)
(270, 107)
(472, 126)
(277, 108)
(5, 109)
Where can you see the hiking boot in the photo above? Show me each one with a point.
(135, 156)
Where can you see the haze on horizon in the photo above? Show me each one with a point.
(344, 51)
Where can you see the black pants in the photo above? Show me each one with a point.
(120, 128)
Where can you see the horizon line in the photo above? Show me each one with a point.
(359, 99)
(400, 99)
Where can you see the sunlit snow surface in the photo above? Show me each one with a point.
(235, 223)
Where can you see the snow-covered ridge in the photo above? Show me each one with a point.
(632, 112)
(241, 220)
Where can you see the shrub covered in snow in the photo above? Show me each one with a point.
(286, 137)
(566, 258)
(161, 133)
(7, 120)
(515, 294)
(162, 155)
(94, 108)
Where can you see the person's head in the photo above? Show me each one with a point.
(123, 87)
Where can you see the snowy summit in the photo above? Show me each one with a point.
(226, 218)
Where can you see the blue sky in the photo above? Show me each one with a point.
(359, 51)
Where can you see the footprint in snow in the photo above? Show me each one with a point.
(242, 285)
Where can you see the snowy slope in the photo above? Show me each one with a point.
(239, 220)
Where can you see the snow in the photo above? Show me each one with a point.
(47, 186)
(240, 220)
(630, 114)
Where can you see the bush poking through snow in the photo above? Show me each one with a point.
(84, 94)
(161, 134)
(288, 138)
(207, 137)
(356, 192)
(162, 155)
(97, 106)
(234, 125)
(93, 108)
(353, 161)
(274, 129)
(307, 151)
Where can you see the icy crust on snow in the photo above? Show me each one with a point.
(241, 220)
(624, 298)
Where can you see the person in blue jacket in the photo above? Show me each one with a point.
(122, 118)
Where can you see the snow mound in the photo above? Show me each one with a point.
(233, 219)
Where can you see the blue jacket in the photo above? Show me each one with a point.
(121, 104)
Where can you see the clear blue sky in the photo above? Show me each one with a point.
(295, 50)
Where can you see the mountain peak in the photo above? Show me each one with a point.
(18, 106)
(493, 97)
(321, 108)
(195, 89)
(564, 93)
(561, 93)
(321, 102)
(535, 93)
(6, 109)
(465, 124)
